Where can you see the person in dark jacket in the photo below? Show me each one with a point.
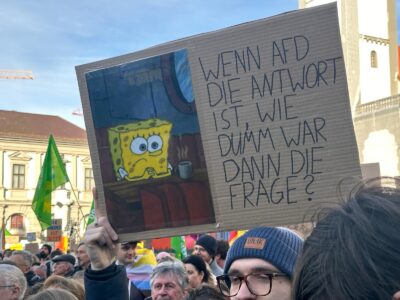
(221, 252)
(24, 260)
(45, 251)
(206, 247)
(126, 254)
(82, 257)
(104, 279)
(44, 257)
(63, 265)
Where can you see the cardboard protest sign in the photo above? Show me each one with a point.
(32, 247)
(231, 129)
(31, 236)
(12, 239)
(54, 232)
(370, 170)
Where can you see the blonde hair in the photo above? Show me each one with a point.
(70, 285)
(53, 294)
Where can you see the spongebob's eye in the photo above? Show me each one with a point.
(139, 145)
(155, 143)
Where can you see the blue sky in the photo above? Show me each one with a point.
(52, 37)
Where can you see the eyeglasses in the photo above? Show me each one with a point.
(258, 284)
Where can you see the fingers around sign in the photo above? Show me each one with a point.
(98, 235)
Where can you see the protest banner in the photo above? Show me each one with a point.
(31, 236)
(54, 232)
(32, 248)
(226, 130)
(370, 170)
(12, 239)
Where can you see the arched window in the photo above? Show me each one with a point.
(17, 221)
(374, 59)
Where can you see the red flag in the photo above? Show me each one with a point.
(232, 236)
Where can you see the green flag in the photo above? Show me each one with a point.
(178, 244)
(6, 232)
(92, 215)
(3, 233)
(53, 175)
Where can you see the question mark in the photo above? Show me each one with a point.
(308, 185)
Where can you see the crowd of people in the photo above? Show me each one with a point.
(351, 253)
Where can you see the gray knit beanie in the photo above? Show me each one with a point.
(276, 245)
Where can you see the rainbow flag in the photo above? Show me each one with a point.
(233, 235)
(139, 273)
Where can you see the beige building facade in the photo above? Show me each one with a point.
(370, 48)
(23, 144)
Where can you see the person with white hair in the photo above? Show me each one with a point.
(24, 260)
(12, 282)
(169, 280)
(63, 265)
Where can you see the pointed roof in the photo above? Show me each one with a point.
(29, 125)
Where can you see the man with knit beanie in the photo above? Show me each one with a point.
(260, 264)
(206, 247)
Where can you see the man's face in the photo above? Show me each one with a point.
(61, 268)
(20, 262)
(200, 251)
(44, 250)
(281, 286)
(8, 292)
(166, 287)
(82, 256)
(126, 253)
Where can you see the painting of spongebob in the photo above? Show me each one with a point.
(139, 150)
(150, 150)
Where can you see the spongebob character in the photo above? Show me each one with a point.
(139, 150)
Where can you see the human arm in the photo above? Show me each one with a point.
(100, 240)
(103, 279)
